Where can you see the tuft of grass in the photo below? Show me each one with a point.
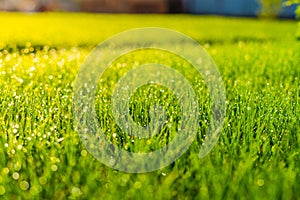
(42, 156)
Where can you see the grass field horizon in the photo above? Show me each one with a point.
(42, 156)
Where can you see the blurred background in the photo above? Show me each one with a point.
(271, 8)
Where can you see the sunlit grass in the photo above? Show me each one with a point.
(42, 157)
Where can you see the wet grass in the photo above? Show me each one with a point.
(42, 157)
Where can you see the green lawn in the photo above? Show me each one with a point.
(42, 157)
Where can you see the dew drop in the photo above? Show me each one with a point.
(2, 190)
(24, 185)
(54, 168)
(15, 175)
(76, 191)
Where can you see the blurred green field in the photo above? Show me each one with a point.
(89, 29)
(42, 157)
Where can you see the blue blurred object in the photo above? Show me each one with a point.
(288, 12)
(231, 7)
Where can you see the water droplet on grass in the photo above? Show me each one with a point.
(2, 190)
(35, 189)
(112, 161)
(24, 185)
(15, 175)
(137, 185)
(76, 191)
(260, 182)
(54, 168)
(17, 166)
(42, 180)
(84, 153)
(5, 170)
